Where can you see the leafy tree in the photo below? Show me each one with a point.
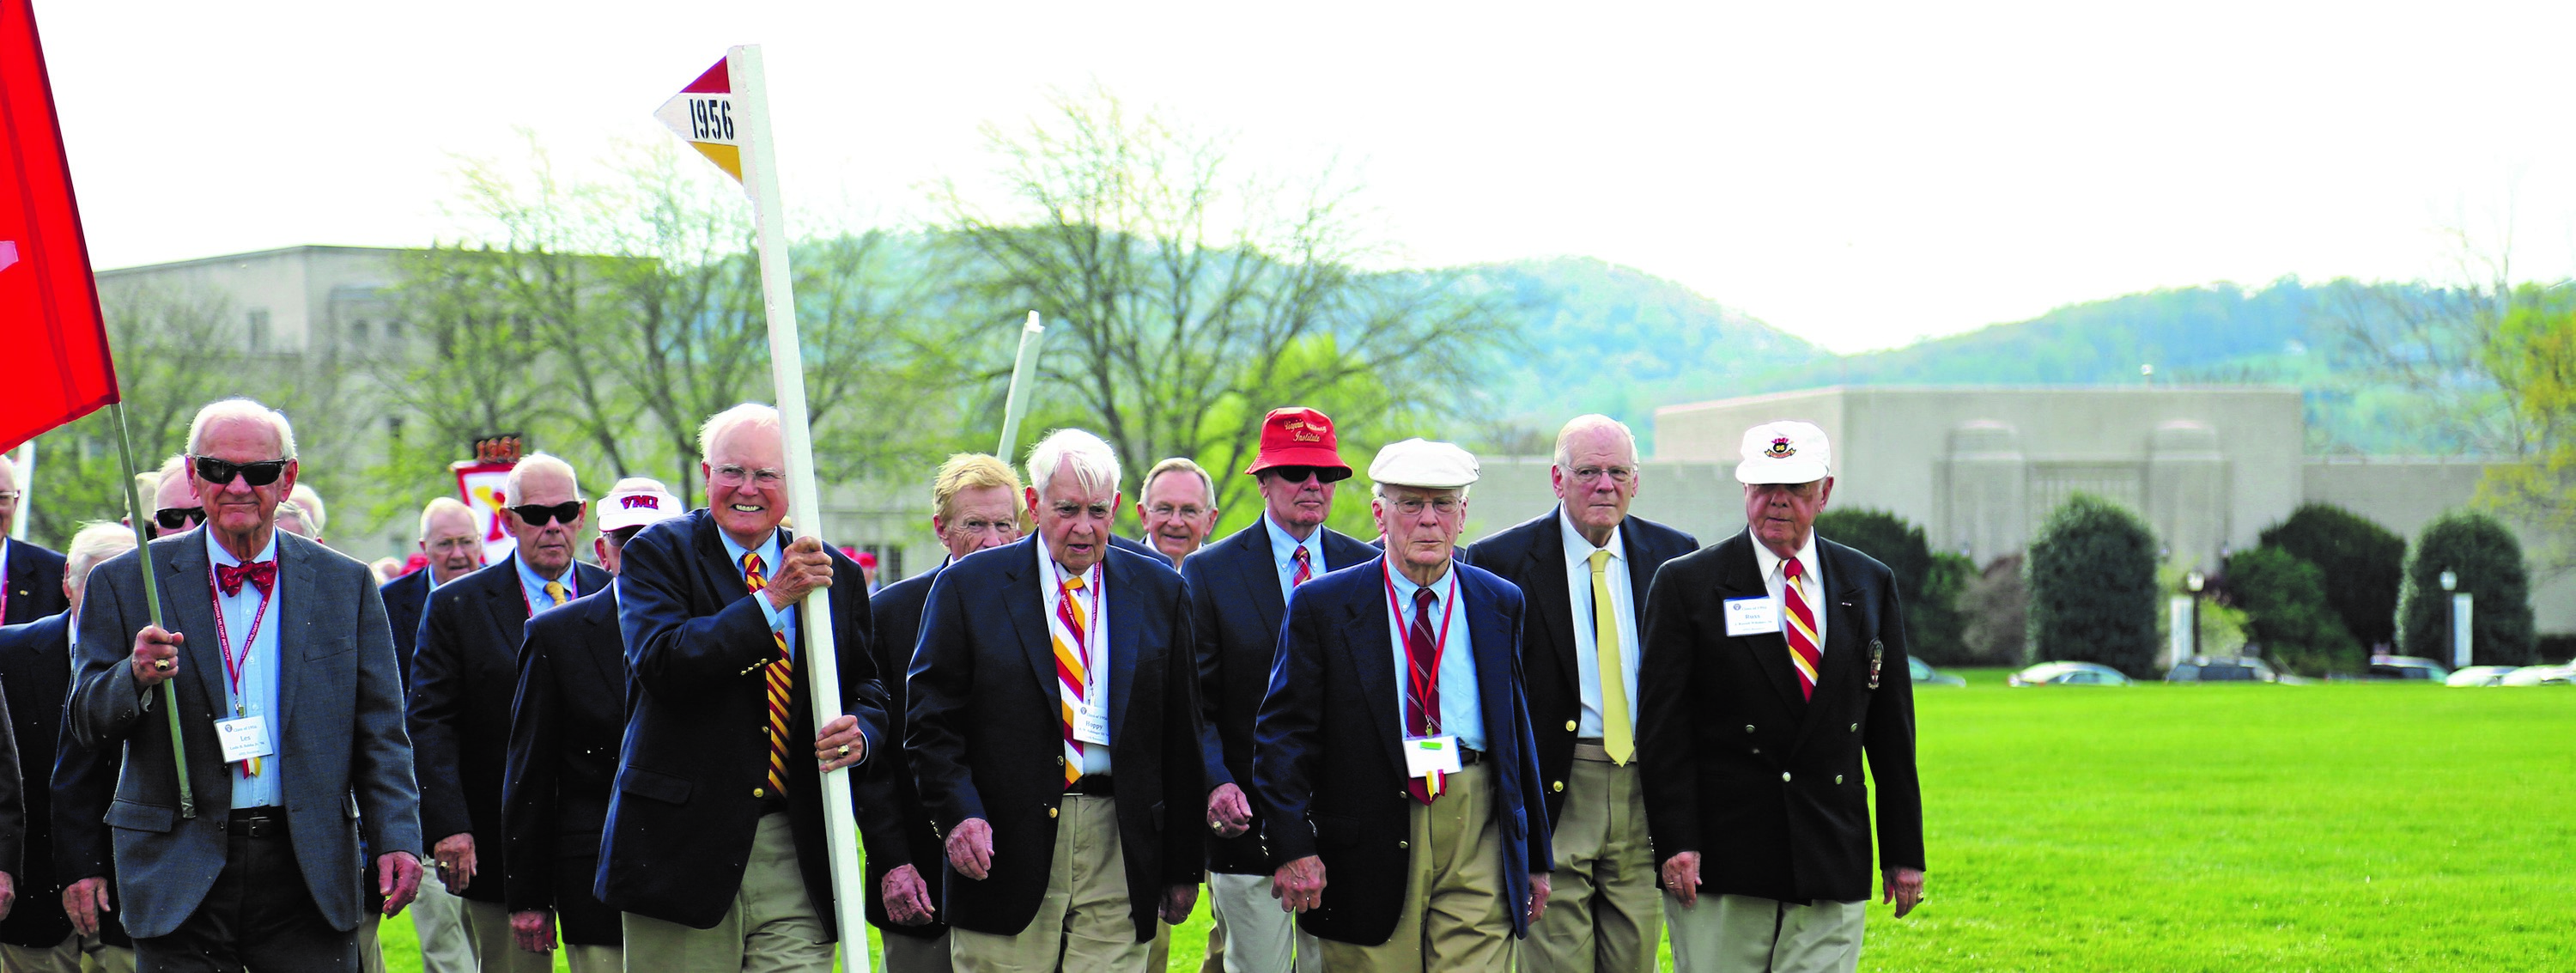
(2361, 562)
(1937, 625)
(2093, 594)
(2532, 357)
(1931, 616)
(2288, 613)
(1994, 608)
(2488, 562)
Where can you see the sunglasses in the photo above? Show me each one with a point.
(260, 474)
(179, 518)
(539, 515)
(1299, 474)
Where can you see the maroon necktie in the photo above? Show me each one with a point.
(1305, 568)
(1422, 710)
(260, 574)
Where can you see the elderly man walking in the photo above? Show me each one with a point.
(1177, 504)
(1775, 661)
(31, 577)
(1239, 591)
(1054, 734)
(463, 679)
(291, 715)
(41, 934)
(1585, 567)
(454, 547)
(714, 848)
(1397, 777)
(975, 504)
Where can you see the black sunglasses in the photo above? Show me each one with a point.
(539, 515)
(1298, 474)
(179, 518)
(260, 474)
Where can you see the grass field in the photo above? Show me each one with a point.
(2328, 827)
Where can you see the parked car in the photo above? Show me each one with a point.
(1925, 675)
(2406, 668)
(2202, 668)
(2541, 676)
(2479, 676)
(2067, 674)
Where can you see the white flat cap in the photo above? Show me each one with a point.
(1785, 451)
(637, 508)
(1423, 463)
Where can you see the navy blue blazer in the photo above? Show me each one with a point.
(35, 584)
(84, 781)
(405, 598)
(35, 679)
(1236, 605)
(565, 721)
(1531, 555)
(693, 765)
(464, 672)
(892, 823)
(1328, 767)
(985, 731)
(1140, 547)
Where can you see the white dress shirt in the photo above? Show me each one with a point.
(1095, 618)
(1811, 569)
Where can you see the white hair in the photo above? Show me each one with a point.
(226, 409)
(536, 461)
(1590, 423)
(746, 414)
(1095, 463)
(96, 542)
(310, 501)
(439, 505)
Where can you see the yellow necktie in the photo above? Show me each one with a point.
(1618, 736)
(554, 594)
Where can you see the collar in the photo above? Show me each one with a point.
(1770, 563)
(1283, 544)
(1442, 588)
(215, 552)
(1053, 573)
(768, 551)
(1577, 548)
(531, 580)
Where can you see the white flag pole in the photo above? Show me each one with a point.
(804, 497)
(27, 490)
(1023, 368)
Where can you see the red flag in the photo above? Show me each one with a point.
(58, 368)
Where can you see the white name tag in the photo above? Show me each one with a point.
(1422, 755)
(243, 738)
(1751, 616)
(1091, 724)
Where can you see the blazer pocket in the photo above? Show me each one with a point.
(649, 783)
(326, 647)
(136, 816)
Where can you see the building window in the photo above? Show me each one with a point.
(259, 330)
(358, 330)
(393, 428)
(393, 331)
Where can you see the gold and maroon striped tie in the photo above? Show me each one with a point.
(780, 675)
(1801, 629)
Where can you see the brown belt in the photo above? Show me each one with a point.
(1591, 750)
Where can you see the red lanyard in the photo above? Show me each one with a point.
(1440, 647)
(531, 606)
(233, 670)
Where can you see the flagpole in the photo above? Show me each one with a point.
(1023, 366)
(26, 490)
(142, 521)
(804, 496)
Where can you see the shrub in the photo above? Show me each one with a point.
(2093, 594)
(2288, 614)
(1994, 615)
(2362, 562)
(2489, 563)
(1936, 625)
(1930, 603)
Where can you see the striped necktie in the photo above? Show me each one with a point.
(1072, 671)
(1422, 709)
(1305, 567)
(779, 674)
(1801, 629)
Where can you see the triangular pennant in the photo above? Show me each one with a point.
(703, 114)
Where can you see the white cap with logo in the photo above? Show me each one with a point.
(622, 509)
(1785, 451)
(1422, 463)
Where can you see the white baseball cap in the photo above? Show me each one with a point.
(1422, 463)
(622, 509)
(1785, 451)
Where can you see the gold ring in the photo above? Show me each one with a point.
(845, 750)
(162, 665)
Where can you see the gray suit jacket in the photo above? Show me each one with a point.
(341, 745)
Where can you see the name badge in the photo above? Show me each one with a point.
(1091, 723)
(1423, 755)
(243, 738)
(1751, 616)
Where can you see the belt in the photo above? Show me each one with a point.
(1092, 785)
(1592, 750)
(267, 821)
(1470, 756)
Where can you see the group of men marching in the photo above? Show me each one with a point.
(1535, 752)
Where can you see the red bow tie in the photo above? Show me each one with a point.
(261, 575)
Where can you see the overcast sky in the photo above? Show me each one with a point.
(1859, 177)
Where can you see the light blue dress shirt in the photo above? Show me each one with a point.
(780, 619)
(1623, 610)
(1462, 705)
(533, 585)
(1283, 554)
(257, 694)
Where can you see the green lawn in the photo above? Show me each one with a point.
(2329, 827)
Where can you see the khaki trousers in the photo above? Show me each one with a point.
(594, 959)
(1604, 912)
(1453, 916)
(62, 957)
(487, 926)
(1083, 923)
(439, 919)
(1259, 937)
(1748, 934)
(371, 949)
(771, 925)
(907, 954)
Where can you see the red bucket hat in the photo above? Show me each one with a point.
(1298, 436)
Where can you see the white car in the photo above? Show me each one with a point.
(2479, 676)
(2541, 676)
(2067, 674)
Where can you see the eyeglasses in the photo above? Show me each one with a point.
(179, 518)
(1413, 506)
(8, 497)
(1184, 511)
(976, 525)
(260, 474)
(539, 515)
(1618, 474)
(733, 476)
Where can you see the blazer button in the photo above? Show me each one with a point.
(1748, 728)
(1560, 785)
(1757, 750)
(1050, 812)
(1404, 844)
(758, 793)
(1855, 728)
(1838, 778)
(1784, 777)
(1059, 761)
(1569, 726)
